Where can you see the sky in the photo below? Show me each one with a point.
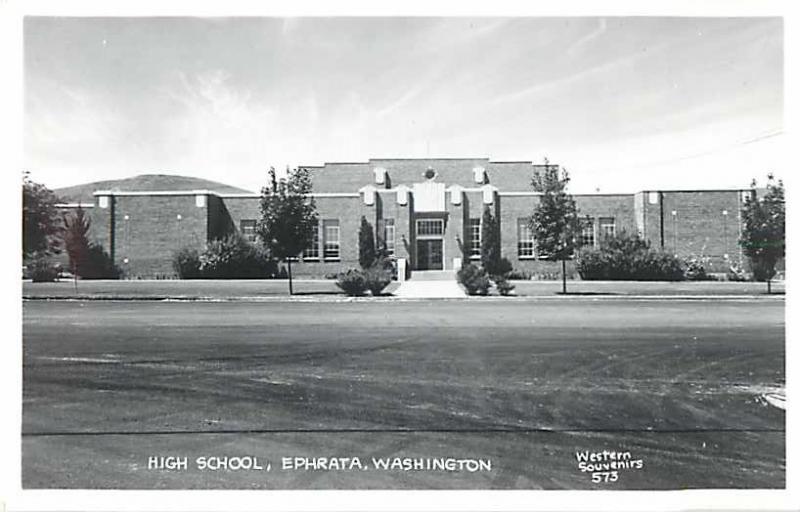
(624, 104)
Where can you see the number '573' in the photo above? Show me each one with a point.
(604, 476)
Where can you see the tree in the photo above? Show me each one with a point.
(76, 241)
(763, 236)
(492, 261)
(41, 226)
(627, 257)
(555, 223)
(99, 264)
(490, 241)
(288, 216)
(367, 254)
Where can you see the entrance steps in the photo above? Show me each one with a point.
(433, 275)
(430, 284)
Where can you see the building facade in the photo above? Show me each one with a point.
(428, 211)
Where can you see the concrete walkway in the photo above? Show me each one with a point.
(430, 284)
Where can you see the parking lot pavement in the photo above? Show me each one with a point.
(681, 383)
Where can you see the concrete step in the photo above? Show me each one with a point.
(429, 289)
(433, 275)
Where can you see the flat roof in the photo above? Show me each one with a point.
(355, 193)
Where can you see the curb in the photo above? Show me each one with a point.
(343, 299)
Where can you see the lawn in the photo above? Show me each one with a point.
(227, 289)
(677, 383)
(175, 288)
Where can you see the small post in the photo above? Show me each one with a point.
(564, 277)
(289, 265)
(401, 269)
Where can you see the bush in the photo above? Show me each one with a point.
(696, 269)
(504, 287)
(662, 267)
(736, 273)
(552, 276)
(42, 270)
(762, 269)
(186, 263)
(231, 257)
(377, 278)
(474, 279)
(593, 265)
(628, 258)
(366, 244)
(99, 265)
(353, 282)
(501, 267)
(519, 275)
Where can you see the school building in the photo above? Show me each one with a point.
(425, 210)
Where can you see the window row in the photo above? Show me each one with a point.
(326, 238)
(526, 244)
(605, 228)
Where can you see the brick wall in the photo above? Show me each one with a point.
(241, 208)
(473, 209)
(152, 230)
(620, 207)
(101, 231)
(219, 221)
(651, 218)
(348, 211)
(695, 224)
(388, 208)
(349, 177)
(513, 208)
(147, 231)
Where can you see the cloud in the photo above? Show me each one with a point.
(591, 36)
(226, 103)
(561, 83)
(400, 102)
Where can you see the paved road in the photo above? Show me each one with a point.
(678, 384)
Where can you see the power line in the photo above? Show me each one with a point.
(717, 149)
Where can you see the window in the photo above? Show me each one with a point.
(430, 227)
(587, 232)
(526, 247)
(607, 227)
(388, 235)
(248, 229)
(331, 240)
(474, 238)
(312, 252)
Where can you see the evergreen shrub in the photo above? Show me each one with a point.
(474, 279)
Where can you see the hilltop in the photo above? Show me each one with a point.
(144, 183)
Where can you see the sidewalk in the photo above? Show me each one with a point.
(431, 284)
(425, 286)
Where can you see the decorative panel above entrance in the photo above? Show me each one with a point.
(429, 197)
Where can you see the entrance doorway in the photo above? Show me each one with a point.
(429, 254)
(429, 247)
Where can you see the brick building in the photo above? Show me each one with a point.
(424, 209)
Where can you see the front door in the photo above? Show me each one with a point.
(429, 254)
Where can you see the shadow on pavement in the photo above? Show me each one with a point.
(588, 293)
(318, 293)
